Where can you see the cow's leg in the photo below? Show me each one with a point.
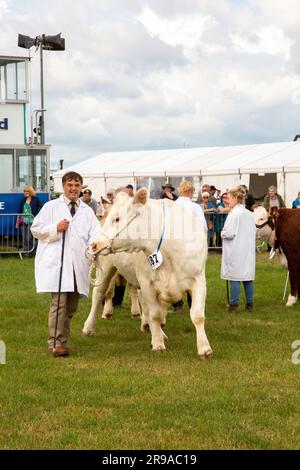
(103, 279)
(156, 316)
(135, 307)
(108, 305)
(165, 307)
(197, 315)
(294, 281)
(145, 313)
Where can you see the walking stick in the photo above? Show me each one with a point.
(59, 284)
(227, 291)
(285, 287)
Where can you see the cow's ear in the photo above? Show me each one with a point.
(141, 196)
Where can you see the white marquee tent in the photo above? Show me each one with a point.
(257, 166)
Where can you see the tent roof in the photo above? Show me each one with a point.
(256, 158)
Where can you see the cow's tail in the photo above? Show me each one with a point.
(282, 259)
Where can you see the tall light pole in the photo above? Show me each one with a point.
(49, 43)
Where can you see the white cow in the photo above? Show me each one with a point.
(264, 225)
(137, 225)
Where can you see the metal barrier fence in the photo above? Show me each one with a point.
(15, 238)
(215, 222)
(18, 240)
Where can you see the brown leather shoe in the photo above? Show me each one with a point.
(249, 308)
(59, 351)
(232, 308)
(70, 350)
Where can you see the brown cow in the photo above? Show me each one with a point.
(287, 239)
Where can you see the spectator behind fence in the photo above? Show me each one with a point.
(206, 189)
(209, 208)
(239, 244)
(223, 210)
(273, 199)
(168, 192)
(296, 202)
(110, 195)
(129, 190)
(88, 199)
(30, 205)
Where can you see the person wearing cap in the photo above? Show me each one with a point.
(88, 199)
(168, 192)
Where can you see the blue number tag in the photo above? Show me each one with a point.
(155, 259)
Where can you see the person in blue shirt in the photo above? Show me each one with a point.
(296, 202)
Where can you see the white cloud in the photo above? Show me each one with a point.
(142, 74)
(185, 30)
(267, 40)
(3, 8)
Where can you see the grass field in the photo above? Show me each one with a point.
(115, 393)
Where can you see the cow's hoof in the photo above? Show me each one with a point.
(291, 301)
(135, 314)
(206, 355)
(106, 316)
(159, 348)
(87, 332)
(145, 327)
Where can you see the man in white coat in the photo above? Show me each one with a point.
(70, 215)
(239, 246)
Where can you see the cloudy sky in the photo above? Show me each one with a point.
(140, 74)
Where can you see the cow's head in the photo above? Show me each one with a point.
(123, 224)
(264, 224)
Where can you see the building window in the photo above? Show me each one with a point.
(12, 80)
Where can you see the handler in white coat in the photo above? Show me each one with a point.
(186, 191)
(239, 247)
(65, 214)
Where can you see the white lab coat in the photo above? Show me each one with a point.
(239, 245)
(83, 230)
(194, 208)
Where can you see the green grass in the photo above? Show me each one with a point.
(115, 393)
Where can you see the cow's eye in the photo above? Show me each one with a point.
(117, 219)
